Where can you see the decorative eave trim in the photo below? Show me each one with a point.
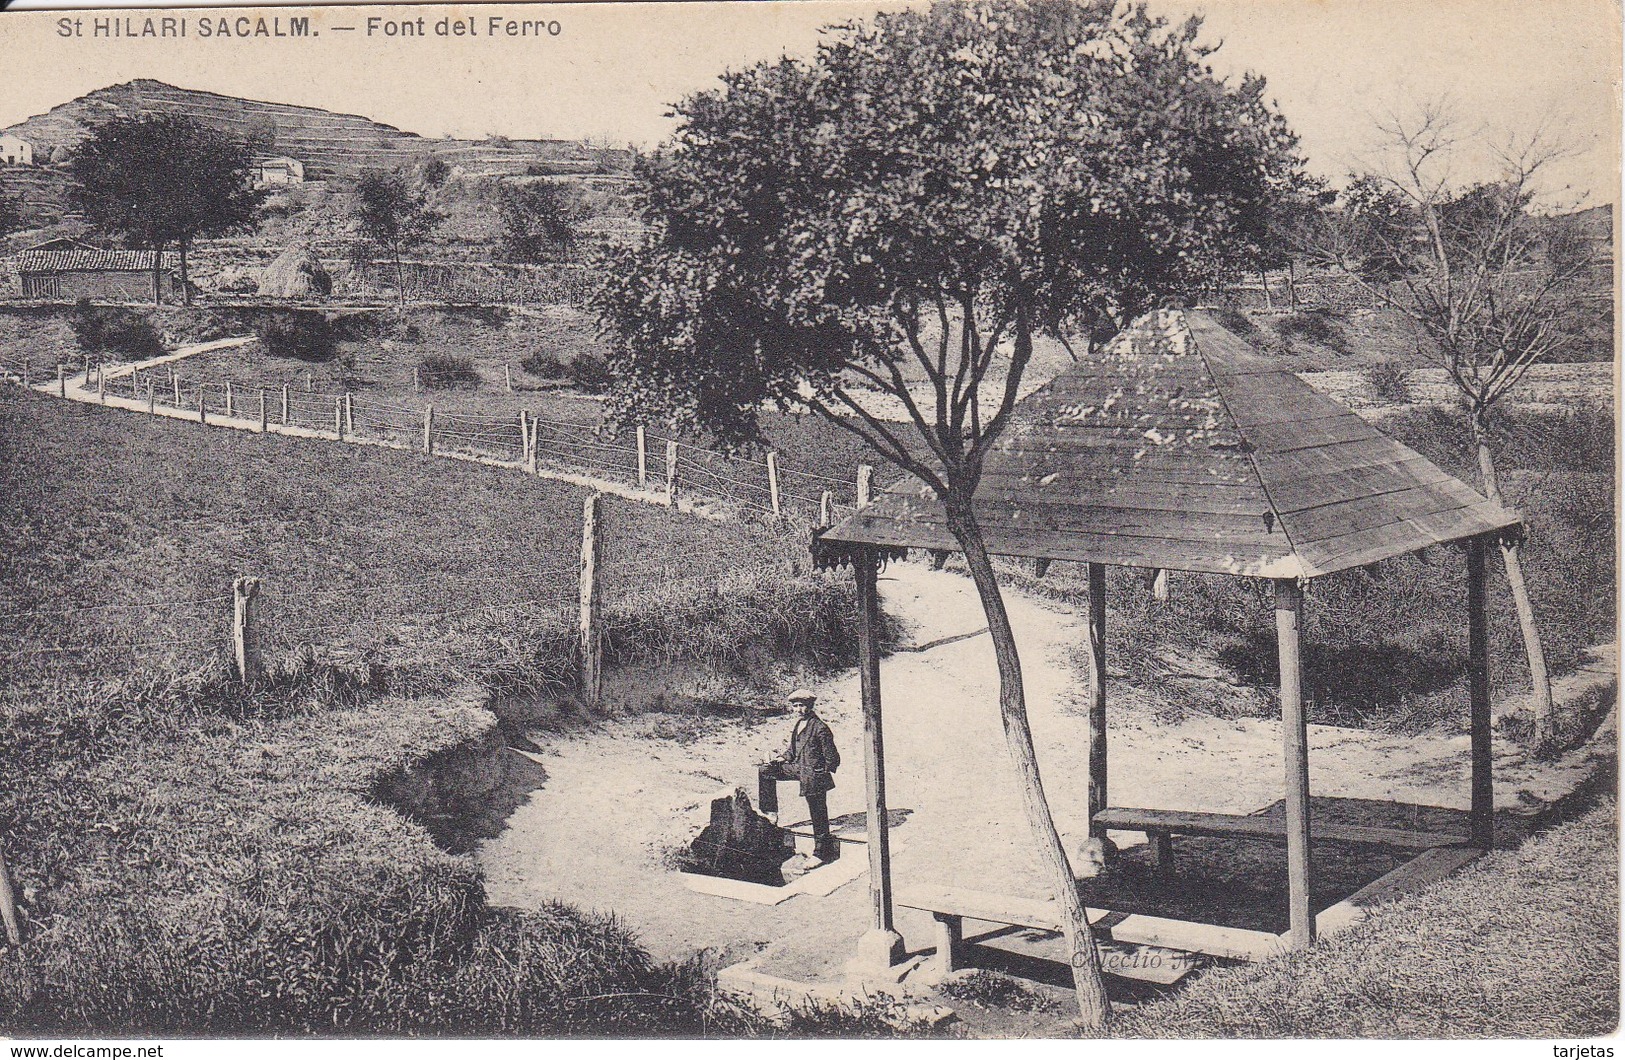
(834, 554)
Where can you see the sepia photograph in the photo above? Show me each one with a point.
(810, 519)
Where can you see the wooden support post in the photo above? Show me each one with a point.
(881, 946)
(671, 473)
(8, 905)
(1159, 584)
(417, 381)
(284, 404)
(1095, 632)
(152, 397)
(1162, 850)
(773, 482)
(591, 641)
(1040, 567)
(1482, 815)
(1295, 751)
(310, 382)
(175, 382)
(230, 408)
(245, 629)
(338, 418)
(62, 380)
(826, 510)
(643, 461)
(349, 415)
(264, 421)
(950, 935)
(428, 431)
(26, 383)
(866, 476)
(101, 384)
(135, 384)
(202, 403)
(507, 374)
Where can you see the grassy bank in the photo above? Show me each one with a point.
(1522, 944)
(195, 857)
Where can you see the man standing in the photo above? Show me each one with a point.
(811, 758)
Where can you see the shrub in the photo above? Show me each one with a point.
(545, 365)
(590, 373)
(301, 334)
(1387, 380)
(446, 370)
(1313, 327)
(114, 330)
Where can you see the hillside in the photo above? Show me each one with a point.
(329, 144)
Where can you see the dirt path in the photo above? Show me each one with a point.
(79, 384)
(593, 833)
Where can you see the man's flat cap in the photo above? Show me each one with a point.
(801, 695)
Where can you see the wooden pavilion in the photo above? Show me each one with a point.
(1179, 447)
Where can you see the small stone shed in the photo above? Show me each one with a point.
(64, 270)
(1179, 447)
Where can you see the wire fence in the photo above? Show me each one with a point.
(663, 467)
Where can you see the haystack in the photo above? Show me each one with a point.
(296, 273)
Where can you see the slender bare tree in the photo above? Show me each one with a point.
(1491, 284)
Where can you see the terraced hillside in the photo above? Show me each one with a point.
(329, 144)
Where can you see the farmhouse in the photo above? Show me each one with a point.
(64, 270)
(15, 151)
(280, 170)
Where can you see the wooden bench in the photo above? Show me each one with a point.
(952, 906)
(1160, 826)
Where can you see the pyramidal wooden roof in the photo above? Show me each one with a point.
(1180, 447)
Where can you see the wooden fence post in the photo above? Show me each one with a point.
(62, 380)
(230, 408)
(8, 905)
(245, 629)
(202, 403)
(591, 641)
(349, 414)
(524, 438)
(428, 431)
(338, 418)
(310, 382)
(507, 374)
(417, 381)
(152, 397)
(284, 404)
(643, 462)
(826, 510)
(866, 476)
(135, 384)
(26, 383)
(773, 481)
(175, 382)
(101, 384)
(671, 473)
(263, 421)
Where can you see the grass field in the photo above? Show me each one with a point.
(1522, 944)
(126, 534)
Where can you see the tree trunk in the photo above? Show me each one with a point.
(1292, 284)
(1093, 1006)
(1540, 679)
(1264, 280)
(186, 283)
(400, 279)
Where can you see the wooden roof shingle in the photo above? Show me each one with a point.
(1180, 447)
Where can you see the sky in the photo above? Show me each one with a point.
(613, 70)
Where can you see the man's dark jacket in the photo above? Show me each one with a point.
(811, 757)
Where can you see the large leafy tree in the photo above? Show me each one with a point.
(1490, 285)
(158, 181)
(905, 213)
(393, 214)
